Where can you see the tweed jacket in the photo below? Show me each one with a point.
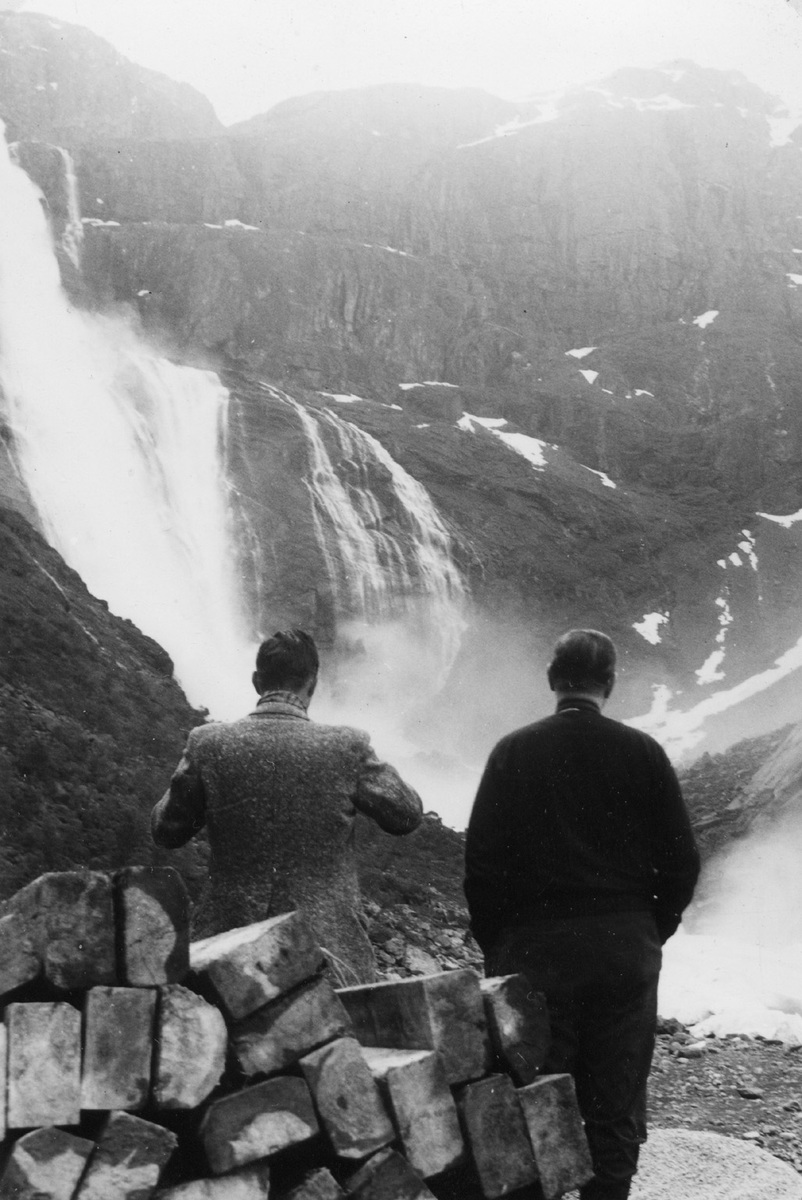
(279, 794)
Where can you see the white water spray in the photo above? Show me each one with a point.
(121, 452)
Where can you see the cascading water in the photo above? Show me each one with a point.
(378, 574)
(121, 452)
(73, 235)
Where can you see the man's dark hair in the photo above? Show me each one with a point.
(583, 658)
(287, 659)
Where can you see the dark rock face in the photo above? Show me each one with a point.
(60, 83)
(92, 722)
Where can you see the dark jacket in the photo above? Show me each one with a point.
(577, 814)
(279, 795)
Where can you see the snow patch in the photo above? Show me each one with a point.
(786, 522)
(796, 280)
(405, 387)
(649, 627)
(389, 249)
(679, 732)
(709, 671)
(144, 292)
(706, 318)
(591, 376)
(96, 222)
(530, 448)
(344, 397)
(735, 559)
(643, 392)
(547, 112)
(235, 224)
(582, 352)
(606, 480)
(748, 548)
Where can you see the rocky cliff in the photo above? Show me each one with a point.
(607, 279)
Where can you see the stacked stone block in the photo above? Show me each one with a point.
(134, 1065)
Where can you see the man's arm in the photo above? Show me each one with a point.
(487, 859)
(181, 812)
(382, 795)
(675, 854)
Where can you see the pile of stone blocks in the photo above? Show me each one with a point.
(135, 1065)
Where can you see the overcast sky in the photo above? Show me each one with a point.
(246, 55)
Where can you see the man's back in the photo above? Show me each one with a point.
(587, 816)
(279, 795)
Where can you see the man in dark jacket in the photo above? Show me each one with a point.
(579, 862)
(279, 796)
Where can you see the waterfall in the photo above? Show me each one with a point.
(388, 554)
(73, 235)
(122, 453)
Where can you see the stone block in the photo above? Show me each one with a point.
(557, 1134)
(44, 1064)
(387, 1176)
(518, 1023)
(441, 1012)
(246, 968)
(128, 1160)
(252, 1183)
(496, 1133)
(317, 1185)
(152, 926)
(347, 1099)
(3, 1082)
(118, 1047)
(190, 1049)
(257, 1122)
(414, 1086)
(283, 1031)
(46, 1163)
(19, 962)
(68, 919)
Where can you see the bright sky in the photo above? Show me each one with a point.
(246, 55)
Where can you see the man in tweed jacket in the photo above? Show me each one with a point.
(279, 795)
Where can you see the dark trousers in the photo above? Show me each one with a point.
(599, 976)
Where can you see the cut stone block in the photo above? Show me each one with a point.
(252, 1183)
(153, 925)
(44, 1064)
(557, 1134)
(246, 968)
(190, 1049)
(518, 1023)
(128, 1161)
(317, 1185)
(19, 962)
(496, 1134)
(441, 1012)
(257, 1122)
(3, 1082)
(387, 1176)
(68, 918)
(347, 1099)
(118, 1047)
(414, 1086)
(283, 1031)
(45, 1163)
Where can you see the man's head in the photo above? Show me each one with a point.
(287, 662)
(583, 663)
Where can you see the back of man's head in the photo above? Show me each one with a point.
(287, 660)
(583, 661)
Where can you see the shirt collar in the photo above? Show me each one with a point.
(286, 704)
(577, 704)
